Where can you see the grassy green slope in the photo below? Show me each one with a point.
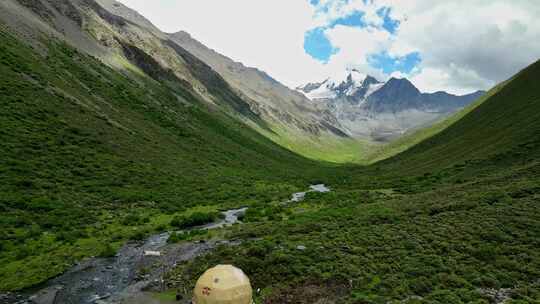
(447, 221)
(90, 156)
(409, 140)
(507, 119)
(328, 148)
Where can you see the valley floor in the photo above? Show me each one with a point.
(460, 236)
(93, 159)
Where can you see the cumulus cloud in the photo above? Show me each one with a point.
(355, 45)
(463, 45)
(467, 45)
(268, 35)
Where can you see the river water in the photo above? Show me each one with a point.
(300, 196)
(118, 279)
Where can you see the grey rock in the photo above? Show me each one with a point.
(382, 111)
(46, 296)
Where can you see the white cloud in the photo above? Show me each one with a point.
(268, 35)
(355, 45)
(467, 45)
(464, 44)
(330, 10)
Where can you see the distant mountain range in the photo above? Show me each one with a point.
(369, 108)
(279, 107)
(357, 106)
(328, 113)
(112, 131)
(273, 101)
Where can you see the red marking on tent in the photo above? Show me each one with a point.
(206, 291)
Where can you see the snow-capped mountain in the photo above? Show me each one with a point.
(383, 110)
(354, 84)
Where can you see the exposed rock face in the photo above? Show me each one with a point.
(357, 105)
(39, 9)
(371, 109)
(499, 296)
(46, 296)
(399, 95)
(117, 34)
(274, 101)
(396, 95)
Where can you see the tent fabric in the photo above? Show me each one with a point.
(223, 284)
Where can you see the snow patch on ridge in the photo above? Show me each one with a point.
(373, 88)
(346, 84)
(324, 91)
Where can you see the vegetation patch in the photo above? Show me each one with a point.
(195, 219)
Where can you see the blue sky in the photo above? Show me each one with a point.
(389, 64)
(318, 45)
(438, 45)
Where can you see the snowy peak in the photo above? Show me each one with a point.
(318, 90)
(354, 81)
(308, 87)
(354, 84)
(378, 110)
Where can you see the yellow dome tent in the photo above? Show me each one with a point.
(223, 284)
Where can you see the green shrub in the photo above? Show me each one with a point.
(195, 219)
(421, 286)
(107, 251)
(131, 220)
(22, 253)
(137, 236)
(69, 237)
(443, 297)
(186, 235)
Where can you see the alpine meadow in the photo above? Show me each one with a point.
(134, 160)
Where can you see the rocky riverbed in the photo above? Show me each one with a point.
(299, 196)
(136, 267)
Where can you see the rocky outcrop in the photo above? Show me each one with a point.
(379, 111)
(122, 38)
(275, 102)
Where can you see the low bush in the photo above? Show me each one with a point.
(108, 251)
(195, 219)
(186, 235)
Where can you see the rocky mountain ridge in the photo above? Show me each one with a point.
(125, 40)
(319, 114)
(369, 108)
(268, 97)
